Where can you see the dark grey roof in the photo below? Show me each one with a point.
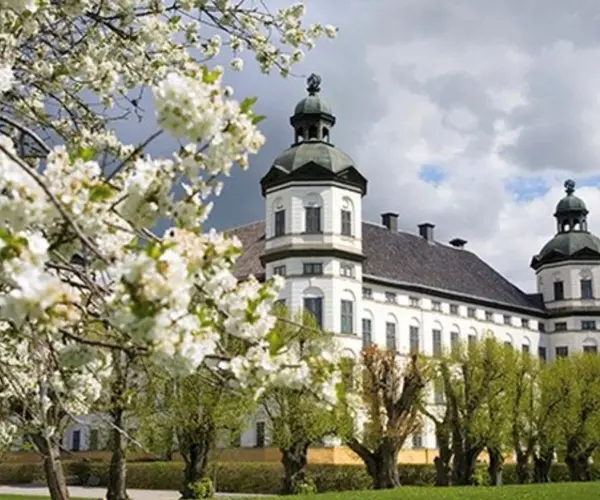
(566, 246)
(409, 260)
(313, 104)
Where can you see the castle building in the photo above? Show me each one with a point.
(371, 283)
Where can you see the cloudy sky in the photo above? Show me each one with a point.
(469, 114)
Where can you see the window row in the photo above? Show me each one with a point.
(563, 351)
(312, 222)
(316, 269)
(436, 305)
(586, 289)
(586, 324)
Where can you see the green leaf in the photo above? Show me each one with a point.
(246, 105)
(87, 154)
(256, 119)
(209, 76)
(100, 192)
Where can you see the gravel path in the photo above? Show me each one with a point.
(98, 493)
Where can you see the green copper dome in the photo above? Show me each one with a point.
(572, 241)
(313, 104)
(323, 154)
(570, 204)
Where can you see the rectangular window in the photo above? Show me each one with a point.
(524, 322)
(367, 293)
(279, 270)
(347, 270)
(590, 349)
(542, 353)
(506, 319)
(347, 316)
(562, 351)
(454, 309)
(559, 290)
(472, 339)
(314, 305)
(560, 326)
(346, 223)
(260, 435)
(93, 446)
(525, 348)
(279, 223)
(390, 336)
(454, 340)
(367, 332)
(588, 324)
(436, 305)
(438, 391)
(76, 441)
(489, 316)
(390, 297)
(313, 219)
(586, 289)
(417, 441)
(541, 327)
(471, 312)
(413, 339)
(437, 343)
(312, 268)
(414, 301)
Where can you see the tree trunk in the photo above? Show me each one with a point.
(382, 464)
(117, 472)
(53, 469)
(442, 461)
(294, 460)
(495, 466)
(542, 463)
(522, 467)
(195, 449)
(465, 465)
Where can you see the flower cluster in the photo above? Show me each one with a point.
(80, 264)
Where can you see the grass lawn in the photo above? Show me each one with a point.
(557, 491)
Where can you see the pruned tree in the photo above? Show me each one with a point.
(384, 411)
(301, 416)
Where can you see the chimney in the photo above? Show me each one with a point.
(390, 220)
(458, 243)
(426, 230)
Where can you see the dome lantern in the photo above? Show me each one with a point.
(313, 118)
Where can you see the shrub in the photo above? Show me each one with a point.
(257, 477)
(202, 489)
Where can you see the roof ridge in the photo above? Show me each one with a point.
(242, 226)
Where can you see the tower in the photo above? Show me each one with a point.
(313, 228)
(568, 277)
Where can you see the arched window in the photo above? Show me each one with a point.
(454, 338)
(508, 340)
(391, 334)
(313, 304)
(313, 132)
(472, 336)
(325, 134)
(436, 339)
(367, 328)
(299, 134)
(590, 346)
(347, 312)
(526, 345)
(346, 217)
(312, 211)
(414, 336)
(278, 218)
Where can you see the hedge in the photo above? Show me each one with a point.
(238, 477)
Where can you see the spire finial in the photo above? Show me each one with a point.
(570, 186)
(313, 84)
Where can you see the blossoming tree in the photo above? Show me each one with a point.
(80, 266)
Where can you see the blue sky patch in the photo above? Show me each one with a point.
(432, 174)
(525, 189)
